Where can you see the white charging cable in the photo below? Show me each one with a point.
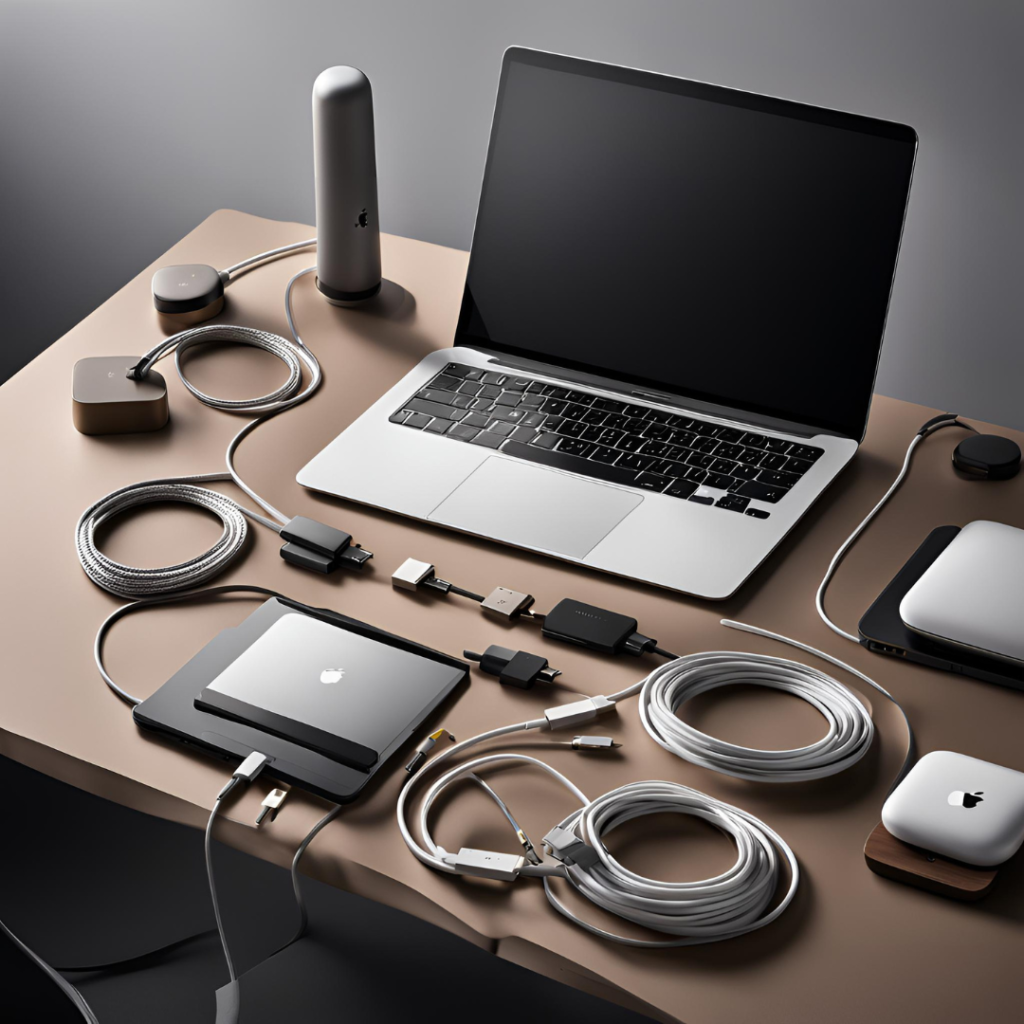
(130, 581)
(936, 423)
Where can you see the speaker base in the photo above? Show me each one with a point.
(337, 298)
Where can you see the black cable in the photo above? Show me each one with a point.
(466, 593)
(137, 960)
(667, 655)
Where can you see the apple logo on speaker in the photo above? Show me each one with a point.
(361, 221)
(332, 675)
(958, 798)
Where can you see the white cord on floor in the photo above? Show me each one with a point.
(129, 581)
(938, 423)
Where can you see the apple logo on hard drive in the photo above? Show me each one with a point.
(332, 675)
(958, 798)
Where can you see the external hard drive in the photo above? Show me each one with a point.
(327, 698)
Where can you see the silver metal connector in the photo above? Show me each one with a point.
(594, 743)
(271, 803)
(506, 603)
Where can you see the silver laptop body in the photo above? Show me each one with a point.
(647, 482)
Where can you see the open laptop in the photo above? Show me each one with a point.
(669, 334)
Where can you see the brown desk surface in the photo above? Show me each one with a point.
(852, 947)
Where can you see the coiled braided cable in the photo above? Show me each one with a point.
(129, 581)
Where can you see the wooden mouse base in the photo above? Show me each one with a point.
(890, 857)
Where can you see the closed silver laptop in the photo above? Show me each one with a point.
(669, 333)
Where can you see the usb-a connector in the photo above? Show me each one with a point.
(503, 867)
(568, 716)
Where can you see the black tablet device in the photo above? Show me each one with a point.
(327, 698)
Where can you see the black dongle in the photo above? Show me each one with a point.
(514, 668)
(595, 628)
(319, 547)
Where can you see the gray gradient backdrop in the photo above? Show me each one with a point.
(123, 124)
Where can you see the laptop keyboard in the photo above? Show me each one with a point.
(608, 439)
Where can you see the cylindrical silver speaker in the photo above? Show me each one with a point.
(347, 232)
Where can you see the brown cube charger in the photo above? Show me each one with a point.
(105, 400)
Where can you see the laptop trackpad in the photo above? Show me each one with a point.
(535, 508)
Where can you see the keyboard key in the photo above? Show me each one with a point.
(757, 513)
(505, 415)
(456, 370)
(702, 499)
(639, 411)
(517, 383)
(719, 480)
(779, 445)
(489, 391)
(762, 492)
(667, 468)
(744, 472)
(574, 411)
(698, 476)
(750, 456)
(569, 428)
(560, 460)
(658, 415)
(699, 460)
(721, 465)
(399, 417)
(553, 405)
(635, 424)
(730, 435)
(683, 438)
(509, 398)
(418, 420)
(445, 383)
(570, 446)
(773, 479)
(705, 429)
(798, 466)
(462, 431)
(535, 387)
(581, 397)
(488, 439)
(616, 420)
(461, 401)
(659, 449)
(557, 392)
(534, 418)
(651, 481)
(436, 395)
(469, 387)
(504, 429)
(728, 451)
(658, 431)
(532, 401)
(493, 378)
(630, 443)
(437, 426)
(680, 488)
(772, 461)
(434, 409)
(638, 463)
(591, 433)
(611, 437)
(804, 451)
(545, 440)
(602, 453)
(476, 419)
(754, 440)
(733, 502)
(704, 444)
(594, 416)
(609, 404)
(551, 423)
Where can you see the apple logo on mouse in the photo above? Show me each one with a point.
(332, 675)
(958, 798)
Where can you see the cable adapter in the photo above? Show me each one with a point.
(597, 629)
(514, 668)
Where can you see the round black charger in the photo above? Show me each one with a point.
(987, 457)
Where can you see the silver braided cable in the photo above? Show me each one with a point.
(129, 581)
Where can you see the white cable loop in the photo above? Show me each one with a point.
(710, 910)
(670, 686)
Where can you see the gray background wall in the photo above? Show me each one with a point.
(123, 124)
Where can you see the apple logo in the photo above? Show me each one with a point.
(361, 222)
(332, 675)
(958, 798)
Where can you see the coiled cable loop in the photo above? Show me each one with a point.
(670, 686)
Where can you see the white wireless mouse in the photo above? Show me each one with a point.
(959, 807)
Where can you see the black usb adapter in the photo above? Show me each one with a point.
(595, 628)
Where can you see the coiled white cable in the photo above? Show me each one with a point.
(692, 913)
(129, 581)
(670, 686)
(710, 910)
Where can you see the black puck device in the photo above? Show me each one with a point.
(327, 698)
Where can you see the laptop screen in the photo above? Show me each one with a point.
(726, 247)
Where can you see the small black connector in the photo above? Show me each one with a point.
(514, 668)
(319, 547)
(595, 628)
